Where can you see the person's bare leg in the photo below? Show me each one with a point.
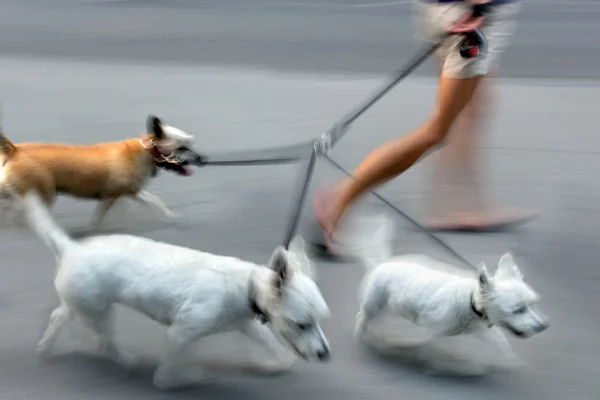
(395, 157)
(456, 187)
(458, 200)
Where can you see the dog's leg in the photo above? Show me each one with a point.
(261, 334)
(371, 307)
(169, 374)
(494, 337)
(58, 319)
(155, 203)
(102, 323)
(363, 317)
(103, 206)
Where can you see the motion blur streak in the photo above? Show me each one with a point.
(250, 74)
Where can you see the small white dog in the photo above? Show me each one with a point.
(417, 288)
(195, 294)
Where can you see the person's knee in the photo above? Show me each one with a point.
(436, 132)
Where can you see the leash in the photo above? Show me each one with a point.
(473, 44)
(309, 151)
(407, 217)
(323, 145)
(302, 191)
(269, 156)
(339, 129)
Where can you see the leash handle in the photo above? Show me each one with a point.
(300, 197)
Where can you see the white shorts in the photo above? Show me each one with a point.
(433, 19)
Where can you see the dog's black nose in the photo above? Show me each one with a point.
(324, 355)
(542, 327)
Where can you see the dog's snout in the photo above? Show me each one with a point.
(197, 158)
(324, 355)
(542, 327)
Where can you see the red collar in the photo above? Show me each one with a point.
(151, 148)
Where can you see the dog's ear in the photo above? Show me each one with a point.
(155, 126)
(177, 134)
(507, 267)
(280, 265)
(298, 247)
(485, 284)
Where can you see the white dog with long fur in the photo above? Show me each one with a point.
(195, 294)
(423, 291)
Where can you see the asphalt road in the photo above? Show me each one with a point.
(543, 130)
(556, 38)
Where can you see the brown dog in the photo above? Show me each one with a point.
(103, 172)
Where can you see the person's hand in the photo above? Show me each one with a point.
(469, 22)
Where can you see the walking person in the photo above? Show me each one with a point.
(459, 83)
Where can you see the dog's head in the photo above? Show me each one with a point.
(171, 147)
(294, 304)
(509, 302)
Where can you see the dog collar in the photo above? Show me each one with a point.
(258, 312)
(260, 315)
(480, 313)
(151, 148)
(158, 156)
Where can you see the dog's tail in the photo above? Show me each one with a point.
(7, 148)
(41, 222)
(376, 245)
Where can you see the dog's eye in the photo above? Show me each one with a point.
(521, 310)
(303, 327)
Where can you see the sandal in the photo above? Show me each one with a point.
(498, 222)
(322, 212)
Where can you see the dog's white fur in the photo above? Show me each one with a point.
(425, 292)
(194, 293)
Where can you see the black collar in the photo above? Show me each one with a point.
(479, 313)
(262, 317)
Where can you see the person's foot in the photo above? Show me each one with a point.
(324, 216)
(495, 221)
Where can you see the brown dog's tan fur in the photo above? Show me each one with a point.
(99, 171)
(104, 171)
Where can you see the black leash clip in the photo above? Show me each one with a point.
(474, 43)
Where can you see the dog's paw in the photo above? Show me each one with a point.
(163, 381)
(130, 363)
(44, 349)
(170, 215)
(508, 363)
(466, 370)
(513, 362)
(166, 379)
(276, 367)
(360, 331)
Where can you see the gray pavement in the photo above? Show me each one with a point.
(556, 38)
(543, 130)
